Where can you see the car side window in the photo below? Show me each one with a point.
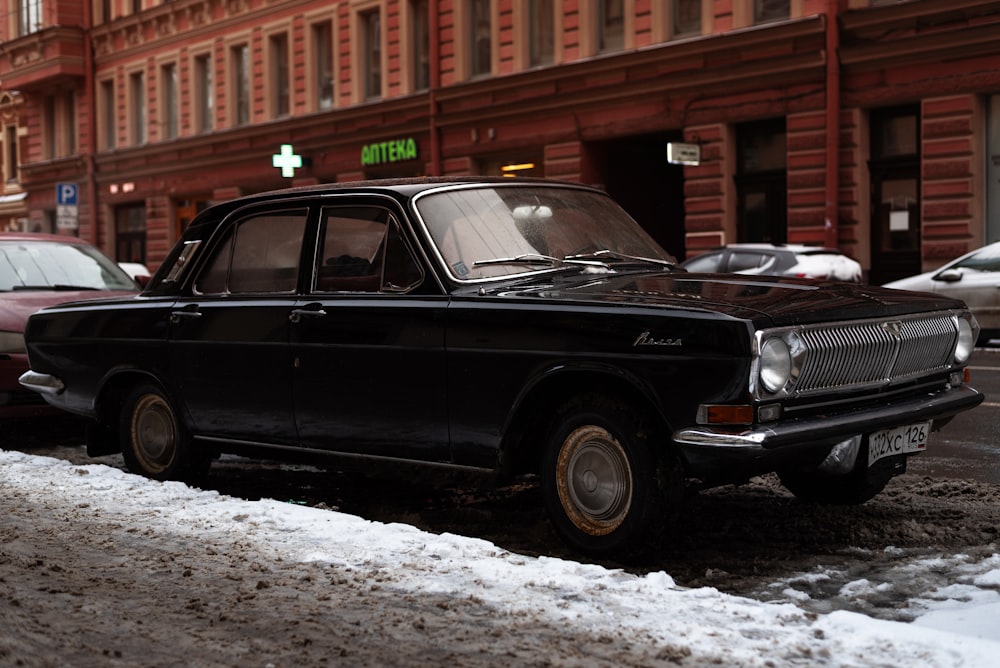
(742, 261)
(259, 254)
(362, 251)
(706, 263)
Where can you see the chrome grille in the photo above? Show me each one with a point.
(874, 352)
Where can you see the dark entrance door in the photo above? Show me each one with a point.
(895, 224)
(895, 190)
(762, 182)
(638, 176)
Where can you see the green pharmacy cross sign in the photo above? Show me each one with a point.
(287, 161)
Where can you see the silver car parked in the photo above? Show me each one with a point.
(974, 278)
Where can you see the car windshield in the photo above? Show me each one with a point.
(500, 230)
(50, 265)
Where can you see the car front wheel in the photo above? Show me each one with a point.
(154, 443)
(610, 489)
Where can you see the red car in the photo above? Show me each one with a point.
(39, 270)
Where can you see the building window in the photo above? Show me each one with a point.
(685, 18)
(108, 114)
(771, 10)
(371, 44)
(10, 154)
(59, 125)
(137, 100)
(69, 122)
(168, 113)
(323, 54)
(29, 16)
(541, 33)
(49, 127)
(421, 44)
(481, 51)
(240, 60)
(279, 80)
(204, 94)
(610, 25)
(103, 12)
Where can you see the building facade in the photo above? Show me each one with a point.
(870, 125)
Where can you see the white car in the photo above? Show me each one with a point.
(777, 260)
(137, 271)
(974, 278)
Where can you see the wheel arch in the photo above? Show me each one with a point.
(102, 436)
(523, 436)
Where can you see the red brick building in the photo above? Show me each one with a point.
(872, 125)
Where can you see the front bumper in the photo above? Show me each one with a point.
(764, 447)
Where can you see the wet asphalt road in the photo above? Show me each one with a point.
(969, 446)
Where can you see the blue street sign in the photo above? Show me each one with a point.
(66, 194)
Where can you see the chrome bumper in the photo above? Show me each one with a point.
(831, 429)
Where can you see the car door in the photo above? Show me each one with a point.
(229, 339)
(978, 287)
(368, 349)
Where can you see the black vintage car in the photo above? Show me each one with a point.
(512, 326)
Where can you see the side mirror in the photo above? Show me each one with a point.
(949, 276)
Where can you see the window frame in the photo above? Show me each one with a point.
(203, 91)
(107, 110)
(169, 99)
(239, 91)
(137, 103)
(321, 56)
(278, 84)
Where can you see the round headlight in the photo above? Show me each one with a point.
(775, 364)
(966, 341)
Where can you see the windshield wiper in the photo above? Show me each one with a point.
(526, 258)
(57, 287)
(607, 254)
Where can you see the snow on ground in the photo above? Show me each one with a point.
(955, 626)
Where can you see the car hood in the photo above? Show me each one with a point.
(16, 306)
(766, 300)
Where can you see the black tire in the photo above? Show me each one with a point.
(154, 442)
(612, 487)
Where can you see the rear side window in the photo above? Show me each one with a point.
(260, 253)
(362, 250)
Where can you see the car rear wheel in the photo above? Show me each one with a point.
(154, 443)
(610, 488)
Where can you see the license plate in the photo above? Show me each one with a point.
(898, 441)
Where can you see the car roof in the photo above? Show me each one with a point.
(791, 248)
(40, 236)
(402, 188)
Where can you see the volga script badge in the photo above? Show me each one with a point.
(646, 339)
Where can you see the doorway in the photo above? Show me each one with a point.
(638, 176)
(894, 170)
